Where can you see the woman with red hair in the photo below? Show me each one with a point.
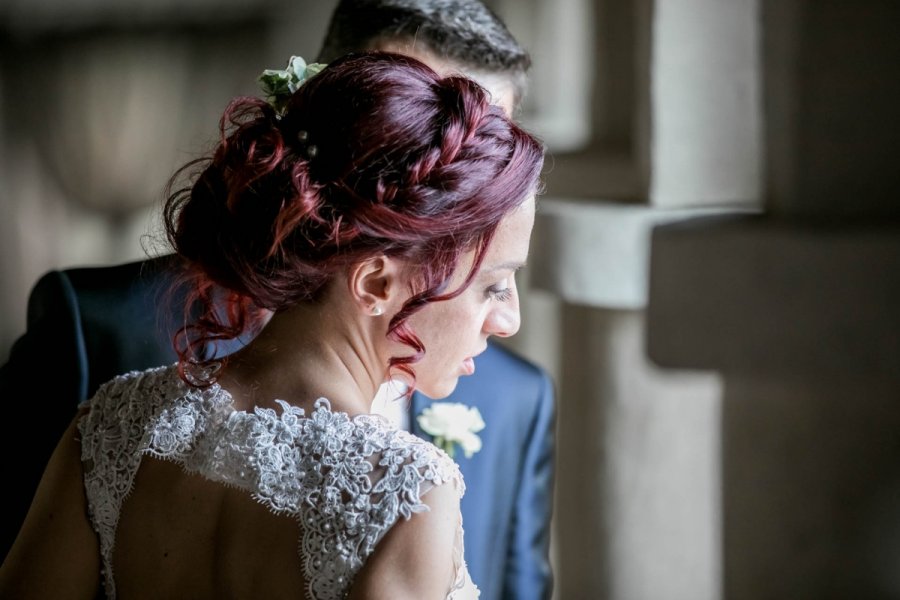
(365, 227)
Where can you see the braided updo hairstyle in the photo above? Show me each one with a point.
(376, 154)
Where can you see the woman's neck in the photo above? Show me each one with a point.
(303, 354)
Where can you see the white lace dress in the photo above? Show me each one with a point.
(368, 474)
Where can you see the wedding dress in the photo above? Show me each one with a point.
(346, 480)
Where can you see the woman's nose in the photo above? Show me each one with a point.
(504, 319)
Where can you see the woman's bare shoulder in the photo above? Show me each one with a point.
(56, 554)
(415, 559)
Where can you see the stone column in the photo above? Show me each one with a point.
(798, 311)
(638, 497)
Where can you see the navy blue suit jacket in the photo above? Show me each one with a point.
(509, 482)
(87, 325)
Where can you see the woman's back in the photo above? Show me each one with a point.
(193, 498)
(183, 536)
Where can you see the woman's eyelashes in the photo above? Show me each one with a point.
(499, 293)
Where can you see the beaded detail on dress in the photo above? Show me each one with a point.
(347, 480)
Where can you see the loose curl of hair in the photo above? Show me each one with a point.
(406, 164)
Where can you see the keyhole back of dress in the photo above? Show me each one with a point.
(183, 536)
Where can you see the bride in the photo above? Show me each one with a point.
(365, 224)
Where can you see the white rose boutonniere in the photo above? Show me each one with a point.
(452, 423)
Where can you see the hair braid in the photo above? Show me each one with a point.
(408, 164)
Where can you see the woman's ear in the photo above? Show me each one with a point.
(376, 284)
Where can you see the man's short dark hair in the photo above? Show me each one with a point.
(463, 32)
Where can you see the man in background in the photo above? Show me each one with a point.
(88, 325)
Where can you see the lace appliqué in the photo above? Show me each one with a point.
(347, 480)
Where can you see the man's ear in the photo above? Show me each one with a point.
(376, 284)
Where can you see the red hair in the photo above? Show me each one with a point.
(377, 154)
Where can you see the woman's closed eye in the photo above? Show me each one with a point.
(501, 292)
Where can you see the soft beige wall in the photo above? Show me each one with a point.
(85, 153)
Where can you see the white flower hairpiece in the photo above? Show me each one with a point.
(452, 423)
(279, 84)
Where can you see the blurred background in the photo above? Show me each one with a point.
(715, 270)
